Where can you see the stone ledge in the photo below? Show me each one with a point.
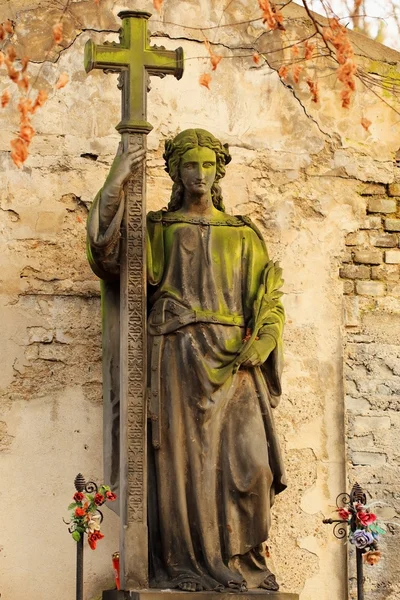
(175, 594)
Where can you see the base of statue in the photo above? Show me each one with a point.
(177, 594)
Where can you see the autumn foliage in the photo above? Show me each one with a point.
(298, 65)
(272, 17)
(337, 35)
(26, 106)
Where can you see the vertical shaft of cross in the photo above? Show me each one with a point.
(134, 60)
(133, 386)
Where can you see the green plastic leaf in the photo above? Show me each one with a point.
(76, 535)
(377, 529)
(72, 505)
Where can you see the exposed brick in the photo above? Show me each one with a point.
(357, 404)
(372, 189)
(368, 257)
(356, 238)
(381, 205)
(393, 289)
(386, 273)
(366, 423)
(369, 458)
(383, 240)
(392, 224)
(348, 287)
(355, 272)
(371, 223)
(351, 311)
(394, 189)
(347, 257)
(370, 288)
(392, 257)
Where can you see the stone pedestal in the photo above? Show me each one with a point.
(177, 595)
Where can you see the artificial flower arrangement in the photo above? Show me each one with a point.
(85, 515)
(364, 530)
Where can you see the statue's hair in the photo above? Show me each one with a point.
(176, 148)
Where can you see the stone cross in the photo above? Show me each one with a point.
(134, 60)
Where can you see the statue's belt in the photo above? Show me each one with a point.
(159, 324)
(186, 317)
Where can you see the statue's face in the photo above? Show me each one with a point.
(197, 170)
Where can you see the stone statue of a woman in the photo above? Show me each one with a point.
(215, 326)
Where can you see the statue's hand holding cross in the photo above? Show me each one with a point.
(122, 168)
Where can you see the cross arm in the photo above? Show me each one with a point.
(105, 57)
(159, 61)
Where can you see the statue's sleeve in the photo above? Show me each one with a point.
(103, 243)
(155, 247)
(258, 269)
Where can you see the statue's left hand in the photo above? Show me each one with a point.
(258, 352)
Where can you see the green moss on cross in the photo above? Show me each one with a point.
(134, 59)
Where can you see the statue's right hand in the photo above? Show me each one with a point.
(124, 164)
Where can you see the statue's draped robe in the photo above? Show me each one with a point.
(214, 460)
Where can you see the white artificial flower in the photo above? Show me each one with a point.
(94, 523)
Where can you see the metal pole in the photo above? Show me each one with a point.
(79, 569)
(80, 485)
(360, 575)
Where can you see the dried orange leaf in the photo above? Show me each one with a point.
(366, 123)
(2, 33)
(40, 100)
(205, 80)
(2, 57)
(24, 108)
(295, 51)
(158, 4)
(270, 15)
(12, 73)
(8, 26)
(296, 70)
(309, 49)
(24, 64)
(26, 132)
(283, 72)
(24, 83)
(19, 151)
(313, 86)
(62, 81)
(5, 98)
(214, 58)
(58, 33)
(11, 54)
(256, 58)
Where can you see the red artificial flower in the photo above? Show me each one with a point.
(93, 538)
(366, 518)
(80, 512)
(99, 499)
(111, 496)
(344, 513)
(78, 496)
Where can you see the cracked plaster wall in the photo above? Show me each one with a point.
(297, 170)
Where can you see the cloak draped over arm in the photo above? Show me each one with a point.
(269, 322)
(103, 244)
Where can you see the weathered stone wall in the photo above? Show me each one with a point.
(297, 170)
(371, 274)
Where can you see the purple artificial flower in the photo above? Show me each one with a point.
(361, 539)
